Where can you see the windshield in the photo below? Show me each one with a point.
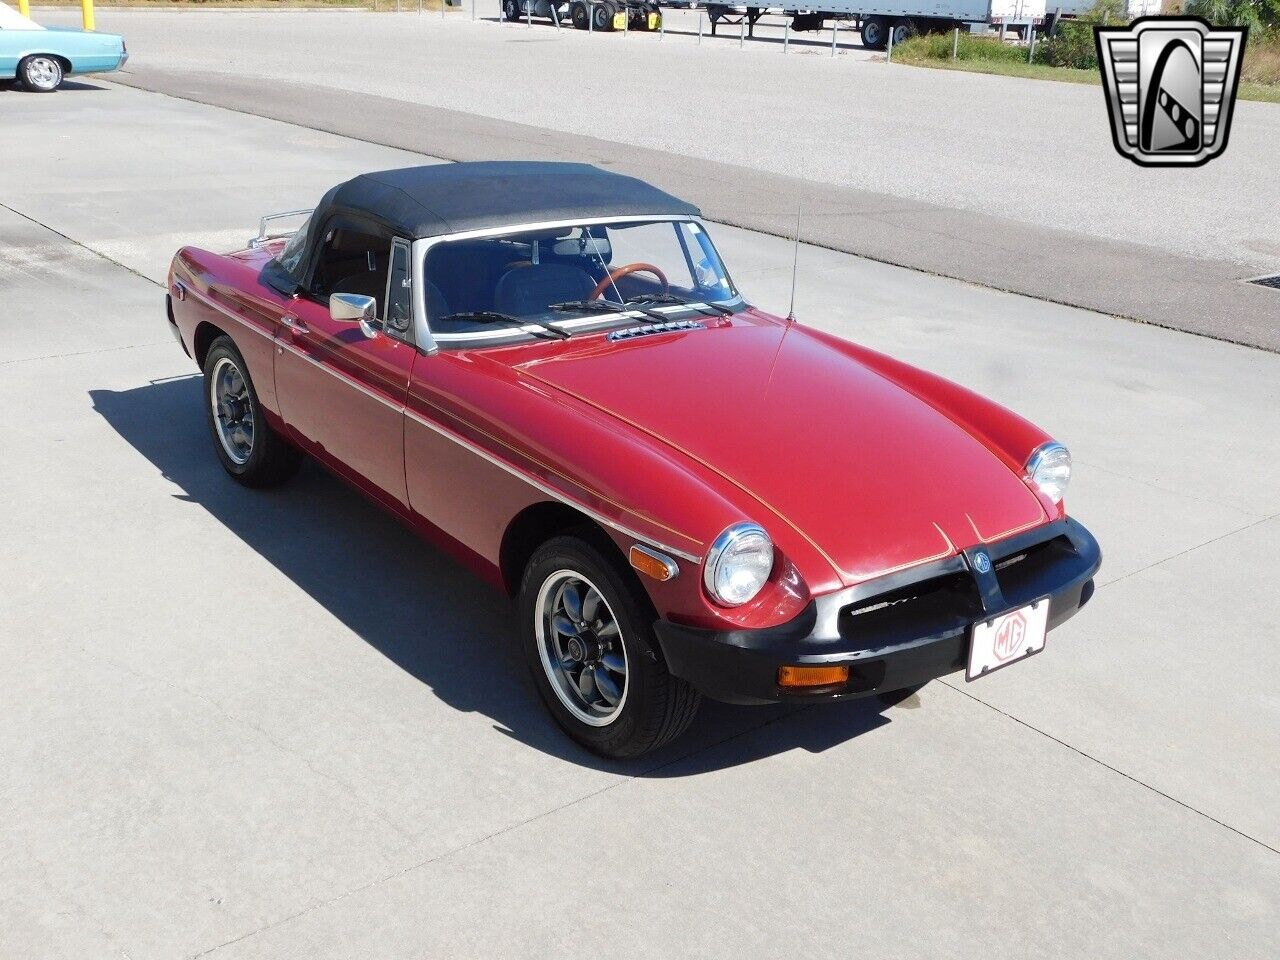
(567, 276)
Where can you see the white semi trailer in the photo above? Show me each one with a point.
(1133, 8)
(878, 19)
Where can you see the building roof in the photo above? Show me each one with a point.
(430, 201)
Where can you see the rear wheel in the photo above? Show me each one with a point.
(602, 15)
(511, 10)
(595, 660)
(40, 73)
(875, 33)
(580, 16)
(246, 445)
(902, 30)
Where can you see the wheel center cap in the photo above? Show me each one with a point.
(583, 649)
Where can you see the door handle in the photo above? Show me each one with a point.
(293, 323)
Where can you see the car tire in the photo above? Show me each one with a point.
(41, 73)
(875, 33)
(902, 30)
(602, 16)
(511, 10)
(637, 705)
(247, 446)
(580, 16)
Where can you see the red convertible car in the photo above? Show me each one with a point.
(547, 369)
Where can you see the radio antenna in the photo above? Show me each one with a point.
(795, 262)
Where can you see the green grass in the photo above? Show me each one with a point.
(989, 55)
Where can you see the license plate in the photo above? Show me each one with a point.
(1007, 639)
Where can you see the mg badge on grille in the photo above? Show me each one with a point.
(1171, 85)
(982, 563)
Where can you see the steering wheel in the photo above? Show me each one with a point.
(616, 275)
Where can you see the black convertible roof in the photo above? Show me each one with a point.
(418, 202)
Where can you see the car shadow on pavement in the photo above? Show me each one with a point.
(68, 86)
(418, 607)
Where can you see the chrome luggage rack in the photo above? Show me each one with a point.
(266, 235)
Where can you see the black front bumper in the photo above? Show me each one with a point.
(896, 631)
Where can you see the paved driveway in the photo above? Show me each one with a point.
(277, 725)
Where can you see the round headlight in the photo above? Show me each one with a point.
(738, 564)
(1050, 469)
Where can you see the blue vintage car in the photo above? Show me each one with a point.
(39, 58)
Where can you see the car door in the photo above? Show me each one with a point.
(10, 41)
(340, 390)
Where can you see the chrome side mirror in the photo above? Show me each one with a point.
(355, 308)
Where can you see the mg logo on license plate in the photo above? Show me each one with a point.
(1009, 637)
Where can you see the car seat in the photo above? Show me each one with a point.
(527, 290)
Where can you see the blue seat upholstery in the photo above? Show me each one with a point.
(523, 291)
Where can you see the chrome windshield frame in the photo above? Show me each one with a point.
(431, 342)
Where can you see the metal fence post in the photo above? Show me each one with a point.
(591, 17)
(742, 32)
(528, 13)
(699, 28)
(955, 42)
(662, 25)
(786, 36)
(473, 9)
(397, 6)
(626, 20)
(1031, 54)
(889, 55)
(835, 25)
(555, 15)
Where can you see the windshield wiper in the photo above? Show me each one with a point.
(588, 306)
(604, 306)
(492, 316)
(672, 298)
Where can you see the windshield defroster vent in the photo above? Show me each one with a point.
(647, 329)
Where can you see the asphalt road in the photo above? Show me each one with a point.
(276, 725)
(1009, 183)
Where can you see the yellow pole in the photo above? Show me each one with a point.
(86, 12)
(24, 8)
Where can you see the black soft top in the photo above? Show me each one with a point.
(418, 202)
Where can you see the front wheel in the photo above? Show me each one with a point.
(593, 654)
(580, 16)
(246, 445)
(40, 73)
(511, 9)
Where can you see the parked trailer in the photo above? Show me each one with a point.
(877, 20)
(601, 15)
(1078, 8)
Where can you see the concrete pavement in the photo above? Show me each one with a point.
(244, 724)
(1006, 182)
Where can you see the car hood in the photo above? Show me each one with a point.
(870, 475)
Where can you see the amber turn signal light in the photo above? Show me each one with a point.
(812, 676)
(652, 563)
